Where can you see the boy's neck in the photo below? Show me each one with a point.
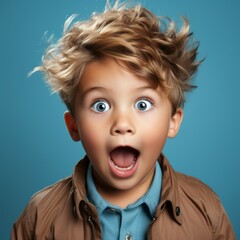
(123, 198)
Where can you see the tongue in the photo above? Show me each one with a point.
(123, 156)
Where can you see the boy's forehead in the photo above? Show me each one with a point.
(104, 71)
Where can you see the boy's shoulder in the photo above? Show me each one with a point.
(189, 194)
(202, 195)
(195, 186)
(192, 204)
(197, 197)
(57, 190)
(44, 208)
(53, 205)
(64, 188)
(184, 183)
(49, 200)
(54, 198)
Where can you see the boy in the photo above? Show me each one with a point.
(122, 76)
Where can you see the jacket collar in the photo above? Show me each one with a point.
(169, 192)
(79, 185)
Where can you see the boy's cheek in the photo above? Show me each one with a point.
(155, 142)
(91, 138)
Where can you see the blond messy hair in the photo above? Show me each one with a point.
(150, 47)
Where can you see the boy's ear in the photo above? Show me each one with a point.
(175, 123)
(71, 126)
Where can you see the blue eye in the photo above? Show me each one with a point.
(100, 106)
(143, 105)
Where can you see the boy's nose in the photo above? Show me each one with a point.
(123, 125)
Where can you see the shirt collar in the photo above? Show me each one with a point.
(170, 190)
(152, 197)
(92, 193)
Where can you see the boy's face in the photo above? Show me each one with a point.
(123, 123)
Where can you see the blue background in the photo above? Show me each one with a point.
(35, 148)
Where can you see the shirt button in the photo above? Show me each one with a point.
(128, 237)
(177, 211)
(74, 212)
(111, 210)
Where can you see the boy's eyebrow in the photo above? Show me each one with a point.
(99, 88)
(105, 88)
(147, 87)
(91, 89)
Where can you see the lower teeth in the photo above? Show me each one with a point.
(124, 168)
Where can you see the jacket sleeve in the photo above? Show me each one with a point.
(223, 229)
(24, 227)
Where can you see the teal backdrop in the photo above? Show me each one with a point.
(36, 150)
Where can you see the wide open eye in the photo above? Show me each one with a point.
(143, 105)
(100, 106)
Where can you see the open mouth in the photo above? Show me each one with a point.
(124, 158)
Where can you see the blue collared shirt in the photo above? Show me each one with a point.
(131, 222)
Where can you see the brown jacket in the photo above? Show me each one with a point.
(188, 210)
